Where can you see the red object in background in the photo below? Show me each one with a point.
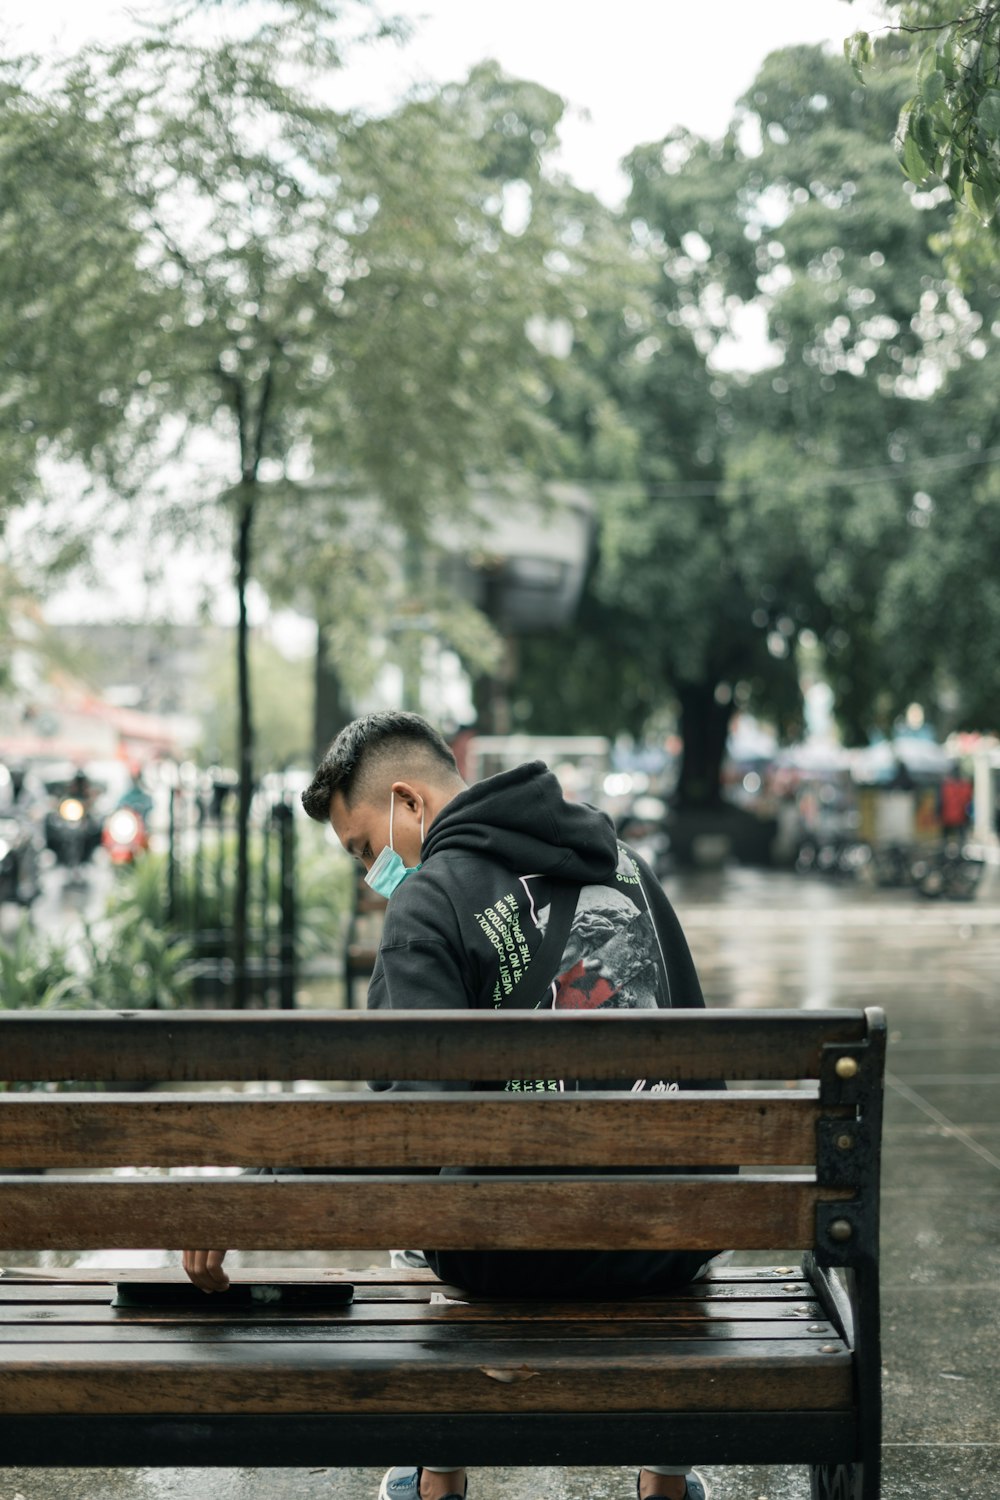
(460, 744)
(956, 799)
(124, 836)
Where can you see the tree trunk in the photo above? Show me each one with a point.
(241, 901)
(492, 694)
(704, 729)
(251, 427)
(330, 709)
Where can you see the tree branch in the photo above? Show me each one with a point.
(238, 401)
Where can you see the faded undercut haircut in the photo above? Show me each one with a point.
(371, 749)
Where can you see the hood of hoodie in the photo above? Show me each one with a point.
(522, 819)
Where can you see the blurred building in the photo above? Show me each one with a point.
(521, 555)
(102, 692)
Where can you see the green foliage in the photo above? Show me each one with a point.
(324, 893)
(367, 308)
(282, 693)
(34, 971)
(323, 292)
(127, 961)
(139, 893)
(937, 599)
(949, 129)
(133, 957)
(587, 677)
(205, 888)
(70, 284)
(331, 295)
(746, 518)
(939, 602)
(944, 606)
(135, 963)
(363, 580)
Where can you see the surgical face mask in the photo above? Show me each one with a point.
(388, 870)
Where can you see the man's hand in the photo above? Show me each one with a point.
(204, 1268)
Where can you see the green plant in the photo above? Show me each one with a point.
(204, 882)
(140, 890)
(34, 971)
(125, 961)
(325, 891)
(131, 962)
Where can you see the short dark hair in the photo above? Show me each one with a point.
(367, 748)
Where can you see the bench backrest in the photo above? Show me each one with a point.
(807, 1143)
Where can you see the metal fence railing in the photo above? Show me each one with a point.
(201, 896)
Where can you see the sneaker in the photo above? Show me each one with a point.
(400, 1484)
(408, 1260)
(697, 1486)
(404, 1484)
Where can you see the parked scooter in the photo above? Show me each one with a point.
(72, 832)
(951, 872)
(125, 836)
(126, 831)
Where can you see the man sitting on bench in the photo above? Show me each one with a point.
(502, 895)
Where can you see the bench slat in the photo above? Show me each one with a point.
(484, 1439)
(665, 1129)
(64, 1320)
(77, 1297)
(696, 1213)
(234, 1331)
(203, 1046)
(718, 1280)
(461, 1376)
(82, 1279)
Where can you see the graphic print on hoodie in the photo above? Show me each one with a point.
(611, 958)
(464, 931)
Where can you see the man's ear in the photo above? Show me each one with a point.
(406, 793)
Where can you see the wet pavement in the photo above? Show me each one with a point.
(779, 940)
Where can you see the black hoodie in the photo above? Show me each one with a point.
(464, 932)
(465, 929)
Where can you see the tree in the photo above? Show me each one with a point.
(742, 513)
(949, 129)
(69, 285)
(282, 698)
(342, 563)
(939, 602)
(529, 257)
(333, 294)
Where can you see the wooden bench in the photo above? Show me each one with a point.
(753, 1365)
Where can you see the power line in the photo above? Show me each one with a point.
(873, 474)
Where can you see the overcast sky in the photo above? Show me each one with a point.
(630, 70)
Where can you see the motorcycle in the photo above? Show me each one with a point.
(952, 871)
(125, 836)
(72, 833)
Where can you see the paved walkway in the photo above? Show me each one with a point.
(776, 940)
